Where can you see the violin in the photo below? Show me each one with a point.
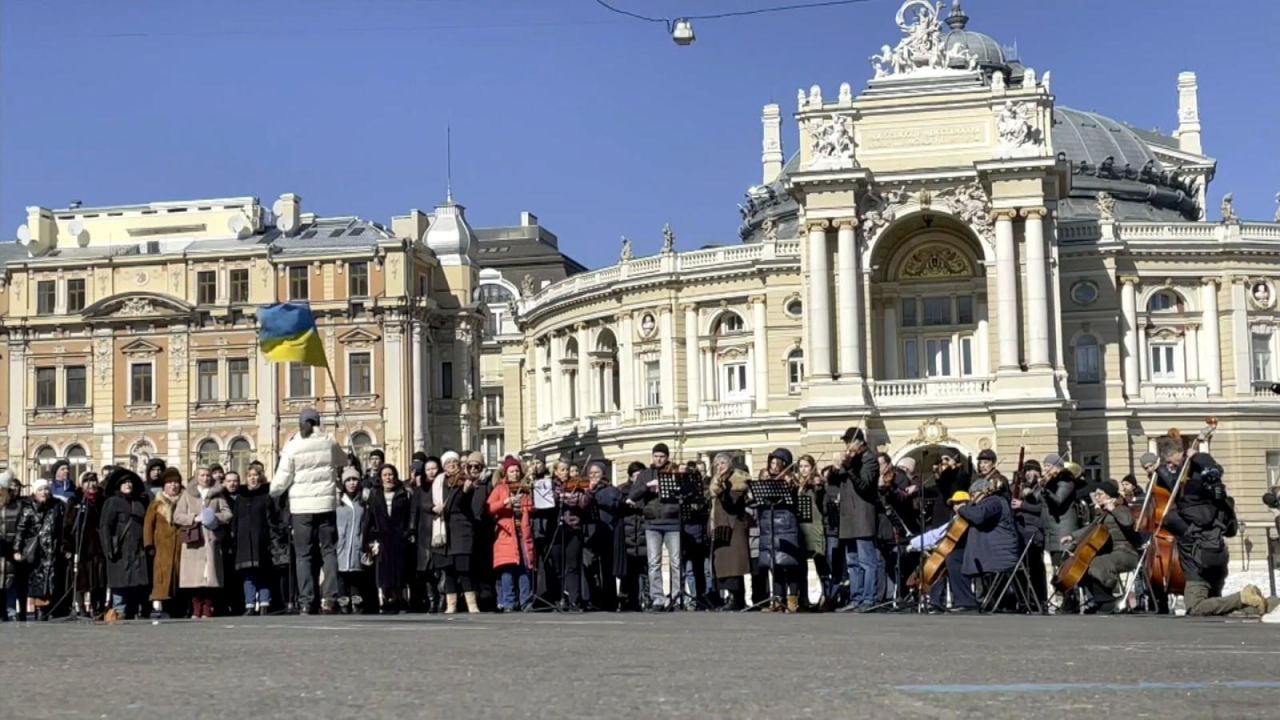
(575, 484)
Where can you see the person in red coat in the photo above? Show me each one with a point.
(511, 505)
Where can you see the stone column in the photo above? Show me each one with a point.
(1129, 329)
(890, 370)
(584, 371)
(850, 309)
(1212, 336)
(760, 352)
(1007, 288)
(981, 341)
(818, 311)
(1037, 297)
(557, 404)
(419, 406)
(627, 368)
(666, 333)
(693, 378)
(17, 381)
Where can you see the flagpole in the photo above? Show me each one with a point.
(342, 413)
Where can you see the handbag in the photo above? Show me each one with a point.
(192, 537)
(31, 550)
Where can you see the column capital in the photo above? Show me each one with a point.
(1006, 214)
(820, 225)
(664, 310)
(579, 326)
(689, 307)
(846, 223)
(756, 299)
(1130, 280)
(1214, 281)
(1037, 213)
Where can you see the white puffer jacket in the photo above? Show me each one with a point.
(308, 471)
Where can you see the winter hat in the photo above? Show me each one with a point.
(958, 497)
(310, 415)
(1110, 488)
(908, 465)
(6, 480)
(988, 454)
(508, 462)
(1031, 465)
(853, 433)
(448, 457)
(171, 475)
(1053, 460)
(635, 467)
(661, 448)
(782, 454)
(40, 484)
(1148, 458)
(475, 458)
(350, 473)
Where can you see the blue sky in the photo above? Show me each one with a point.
(598, 124)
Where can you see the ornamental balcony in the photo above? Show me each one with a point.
(895, 393)
(727, 410)
(1174, 392)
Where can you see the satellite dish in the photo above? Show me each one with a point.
(78, 233)
(238, 225)
(24, 234)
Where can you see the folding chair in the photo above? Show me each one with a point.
(1019, 580)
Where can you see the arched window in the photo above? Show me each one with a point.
(570, 370)
(1165, 301)
(207, 453)
(795, 371)
(1088, 360)
(45, 458)
(78, 459)
(241, 455)
(729, 322)
(605, 366)
(493, 293)
(362, 445)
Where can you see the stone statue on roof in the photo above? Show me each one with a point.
(627, 254)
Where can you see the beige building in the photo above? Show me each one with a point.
(952, 259)
(130, 332)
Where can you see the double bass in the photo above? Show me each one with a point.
(1160, 562)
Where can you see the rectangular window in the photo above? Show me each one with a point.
(795, 373)
(77, 391)
(206, 287)
(492, 410)
(1261, 358)
(1273, 468)
(1162, 363)
(937, 311)
(46, 296)
(966, 356)
(1092, 468)
(652, 383)
(239, 286)
(446, 380)
(735, 380)
(964, 310)
(1088, 360)
(938, 356)
(75, 294)
(493, 449)
(207, 380)
(360, 373)
(908, 312)
(238, 379)
(141, 384)
(299, 288)
(46, 388)
(299, 380)
(910, 360)
(358, 280)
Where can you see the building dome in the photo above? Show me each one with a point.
(989, 53)
(449, 235)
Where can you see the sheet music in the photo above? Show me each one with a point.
(544, 495)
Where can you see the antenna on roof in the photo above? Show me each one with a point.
(448, 149)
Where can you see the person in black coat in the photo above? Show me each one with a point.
(425, 592)
(39, 547)
(82, 540)
(255, 527)
(1029, 513)
(991, 545)
(461, 508)
(389, 536)
(154, 477)
(782, 548)
(123, 516)
(856, 480)
(597, 554)
(626, 518)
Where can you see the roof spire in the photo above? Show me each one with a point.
(448, 145)
(957, 19)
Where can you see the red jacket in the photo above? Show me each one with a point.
(504, 542)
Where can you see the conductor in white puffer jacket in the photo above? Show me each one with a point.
(308, 471)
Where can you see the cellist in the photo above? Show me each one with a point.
(1120, 555)
(991, 546)
(1202, 518)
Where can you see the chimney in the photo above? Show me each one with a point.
(40, 233)
(411, 226)
(772, 156)
(528, 219)
(1188, 132)
(288, 211)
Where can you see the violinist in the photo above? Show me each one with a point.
(856, 482)
(987, 472)
(811, 485)
(1028, 511)
(897, 519)
(566, 550)
(597, 551)
(1058, 511)
(511, 506)
(1120, 555)
(992, 544)
(781, 547)
(1202, 518)
(730, 530)
(461, 508)
(482, 560)
(627, 518)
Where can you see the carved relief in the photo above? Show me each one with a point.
(935, 261)
(1019, 138)
(178, 350)
(135, 307)
(971, 204)
(1261, 295)
(1106, 207)
(831, 144)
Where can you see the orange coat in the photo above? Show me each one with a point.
(504, 542)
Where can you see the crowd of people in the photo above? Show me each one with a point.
(325, 535)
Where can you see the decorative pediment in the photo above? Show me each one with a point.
(1166, 333)
(935, 261)
(733, 353)
(358, 338)
(931, 432)
(141, 348)
(137, 305)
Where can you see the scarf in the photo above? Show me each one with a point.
(439, 527)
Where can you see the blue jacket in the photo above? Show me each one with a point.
(992, 543)
(782, 523)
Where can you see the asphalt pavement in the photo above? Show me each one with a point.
(687, 665)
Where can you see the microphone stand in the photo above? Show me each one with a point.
(82, 511)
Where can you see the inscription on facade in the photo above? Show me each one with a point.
(922, 136)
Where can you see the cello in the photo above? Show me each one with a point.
(1160, 562)
(1073, 570)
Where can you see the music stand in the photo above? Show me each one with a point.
(673, 487)
(544, 499)
(774, 494)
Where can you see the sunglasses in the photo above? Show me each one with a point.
(475, 466)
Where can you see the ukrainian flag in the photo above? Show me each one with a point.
(287, 333)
